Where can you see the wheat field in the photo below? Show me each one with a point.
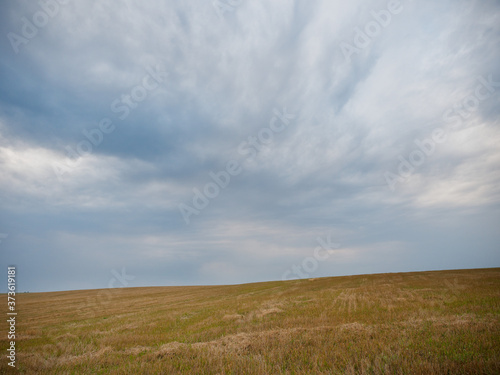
(441, 322)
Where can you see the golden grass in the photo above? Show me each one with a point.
(444, 322)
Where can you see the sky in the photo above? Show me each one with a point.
(147, 143)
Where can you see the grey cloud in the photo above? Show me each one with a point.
(118, 205)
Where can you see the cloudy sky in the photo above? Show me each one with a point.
(199, 142)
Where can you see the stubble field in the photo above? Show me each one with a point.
(444, 322)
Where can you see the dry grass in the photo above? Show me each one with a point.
(443, 322)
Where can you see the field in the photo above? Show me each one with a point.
(443, 322)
